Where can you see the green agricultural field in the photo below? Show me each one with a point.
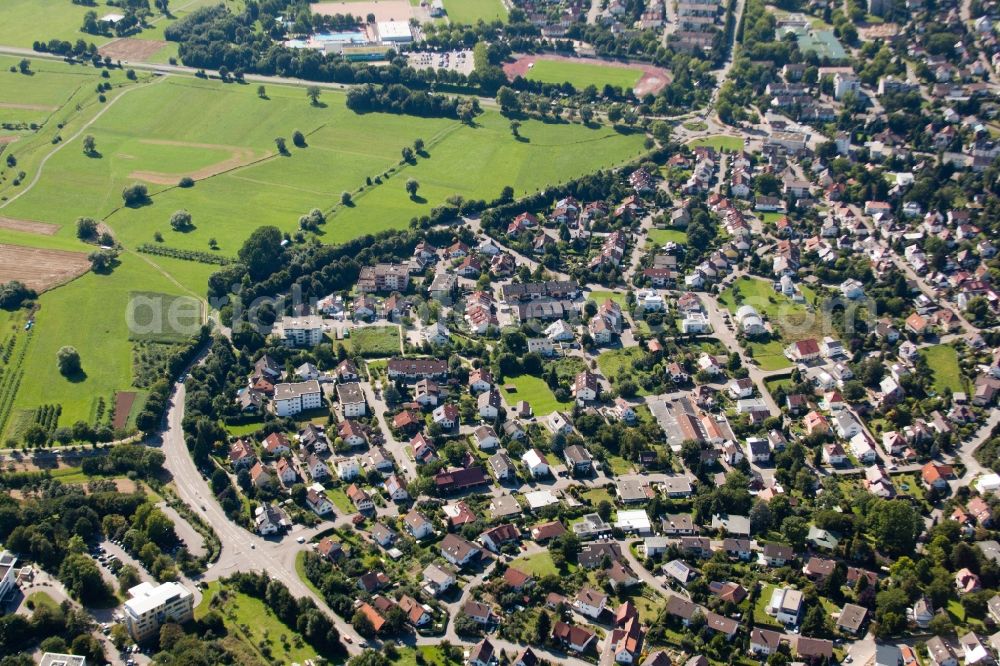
(28, 21)
(725, 143)
(31, 98)
(469, 12)
(533, 389)
(147, 137)
(583, 74)
(89, 314)
(943, 362)
(478, 162)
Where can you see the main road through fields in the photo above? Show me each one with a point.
(192, 71)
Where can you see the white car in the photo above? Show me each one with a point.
(301, 539)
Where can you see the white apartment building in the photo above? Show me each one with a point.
(290, 399)
(149, 607)
(301, 331)
(7, 573)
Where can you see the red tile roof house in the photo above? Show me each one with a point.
(517, 579)
(803, 350)
(575, 638)
(936, 476)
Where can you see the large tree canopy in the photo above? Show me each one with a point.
(261, 251)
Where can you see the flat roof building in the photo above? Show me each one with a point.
(149, 607)
(397, 32)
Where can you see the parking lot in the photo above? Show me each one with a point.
(459, 61)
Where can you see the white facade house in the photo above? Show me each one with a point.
(694, 322)
(536, 463)
(785, 605)
(290, 399)
(635, 521)
(348, 469)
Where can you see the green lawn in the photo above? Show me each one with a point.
(616, 364)
(774, 384)
(792, 320)
(431, 656)
(583, 74)
(600, 296)
(255, 624)
(244, 429)
(760, 615)
(539, 564)
(533, 389)
(724, 143)
(770, 355)
(41, 600)
(943, 362)
(469, 12)
(663, 236)
(770, 218)
(597, 495)
(341, 500)
(695, 126)
(374, 341)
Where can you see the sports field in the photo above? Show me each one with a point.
(582, 75)
(157, 130)
(471, 11)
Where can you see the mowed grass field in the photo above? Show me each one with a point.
(582, 74)
(943, 362)
(729, 144)
(538, 394)
(175, 126)
(469, 12)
